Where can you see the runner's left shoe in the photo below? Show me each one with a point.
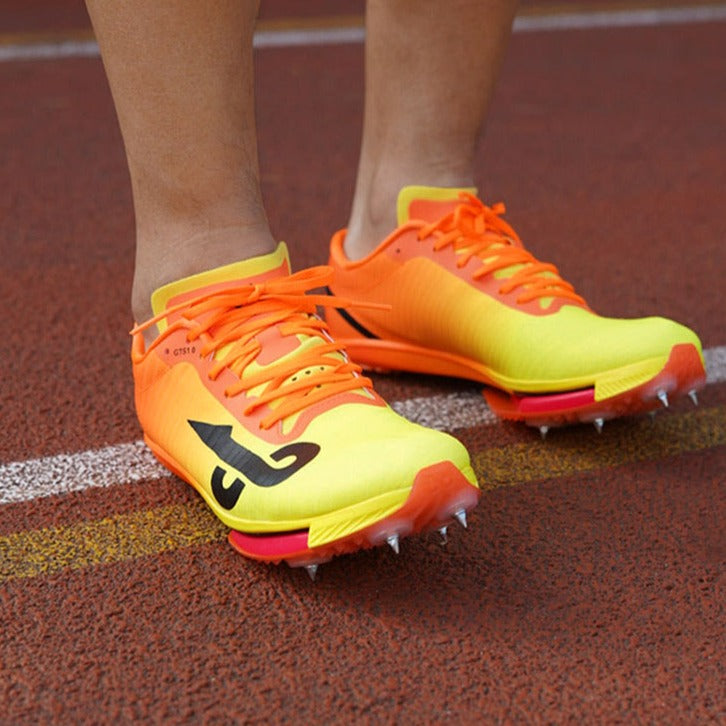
(466, 299)
(244, 394)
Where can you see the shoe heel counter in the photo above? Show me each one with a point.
(336, 256)
(147, 370)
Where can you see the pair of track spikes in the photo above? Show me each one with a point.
(248, 332)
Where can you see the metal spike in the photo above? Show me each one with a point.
(444, 536)
(543, 431)
(393, 542)
(598, 423)
(693, 396)
(663, 398)
(460, 517)
(312, 571)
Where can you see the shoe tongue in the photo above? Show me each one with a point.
(256, 269)
(428, 203)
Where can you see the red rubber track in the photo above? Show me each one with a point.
(591, 595)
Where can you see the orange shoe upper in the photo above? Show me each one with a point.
(458, 280)
(245, 395)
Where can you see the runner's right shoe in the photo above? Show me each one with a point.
(459, 295)
(245, 395)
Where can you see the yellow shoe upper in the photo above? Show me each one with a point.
(245, 395)
(458, 279)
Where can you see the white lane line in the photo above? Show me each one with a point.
(50, 51)
(308, 36)
(715, 359)
(620, 18)
(583, 20)
(126, 463)
(121, 463)
(447, 412)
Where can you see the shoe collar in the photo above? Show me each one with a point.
(253, 270)
(428, 203)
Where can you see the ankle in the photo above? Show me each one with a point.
(374, 216)
(159, 262)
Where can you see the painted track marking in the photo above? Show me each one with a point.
(108, 540)
(643, 441)
(81, 45)
(132, 462)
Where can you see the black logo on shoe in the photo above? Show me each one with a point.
(252, 467)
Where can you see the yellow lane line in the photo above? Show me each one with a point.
(571, 452)
(105, 541)
(80, 35)
(319, 23)
(607, 6)
(151, 532)
(40, 37)
(337, 22)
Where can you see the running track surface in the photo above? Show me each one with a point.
(589, 586)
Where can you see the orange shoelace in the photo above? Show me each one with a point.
(476, 230)
(228, 322)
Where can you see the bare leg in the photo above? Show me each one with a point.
(431, 68)
(181, 76)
